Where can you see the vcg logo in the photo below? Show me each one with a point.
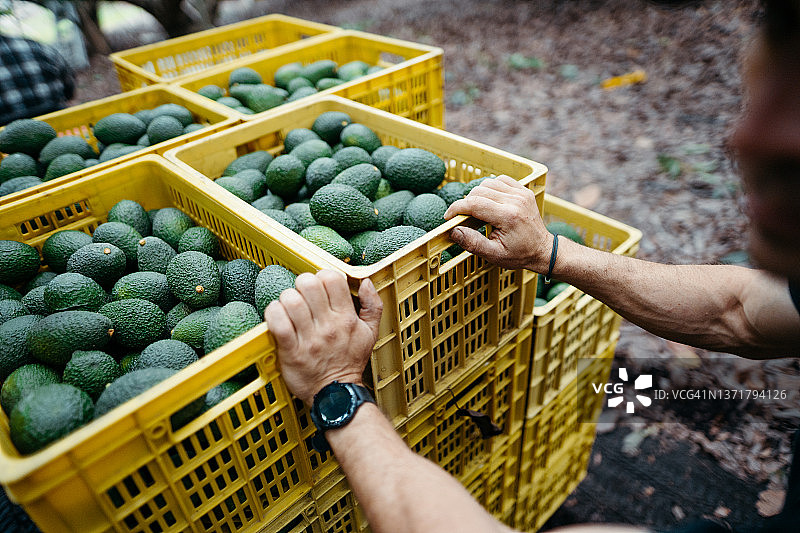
(644, 381)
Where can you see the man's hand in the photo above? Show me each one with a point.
(320, 337)
(519, 238)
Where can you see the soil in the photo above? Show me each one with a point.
(525, 76)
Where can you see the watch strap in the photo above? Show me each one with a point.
(318, 441)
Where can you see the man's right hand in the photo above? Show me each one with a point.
(519, 238)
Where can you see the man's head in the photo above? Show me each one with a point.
(767, 140)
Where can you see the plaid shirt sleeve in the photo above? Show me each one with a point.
(34, 79)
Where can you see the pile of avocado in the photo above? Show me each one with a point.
(248, 94)
(547, 291)
(339, 187)
(37, 154)
(116, 312)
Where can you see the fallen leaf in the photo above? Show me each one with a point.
(722, 512)
(770, 502)
(648, 491)
(597, 459)
(678, 513)
(589, 196)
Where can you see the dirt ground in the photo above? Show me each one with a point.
(525, 76)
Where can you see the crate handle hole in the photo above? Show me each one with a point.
(158, 431)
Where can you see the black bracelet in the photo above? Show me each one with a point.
(552, 258)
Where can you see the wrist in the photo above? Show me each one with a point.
(541, 262)
(355, 379)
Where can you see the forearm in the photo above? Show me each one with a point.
(399, 490)
(716, 307)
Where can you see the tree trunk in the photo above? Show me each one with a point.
(169, 14)
(95, 40)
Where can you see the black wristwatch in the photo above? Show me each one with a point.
(334, 406)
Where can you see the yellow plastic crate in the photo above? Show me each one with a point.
(573, 324)
(438, 320)
(556, 445)
(410, 85)
(78, 120)
(234, 468)
(175, 59)
(329, 508)
(496, 388)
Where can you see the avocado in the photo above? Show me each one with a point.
(14, 351)
(133, 214)
(343, 208)
(18, 184)
(26, 135)
(238, 280)
(239, 188)
(301, 213)
(355, 134)
(389, 241)
(60, 245)
(34, 301)
(164, 128)
(244, 75)
(563, 228)
(298, 136)
(219, 393)
(177, 313)
(199, 239)
(329, 126)
(255, 179)
(194, 279)
(359, 241)
(68, 144)
(258, 160)
(268, 201)
(74, 292)
(47, 414)
(323, 68)
(119, 128)
(298, 83)
(101, 261)
(150, 286)
(176, 111)
(136, 322)
(213, 92)
(352, 70)
(63, 165)
(154, 254)
(166, 353)
(286, 174)
(39, 280)
(53, 338)
(311, 150)
(329, 240)
(270, 282)
(425, 211)
(91, 371)
(327, 83)
(12, 309)
(452, 191)
(231, 321)
(123, 236)
(352, 155)
(19, 164)
(364, 177)
(301, 92)
(169, 224)
(286, 73)
(416, 170)
(321, 172)
(24, 380)
(192, 328)
(19, 262)
(263, 97)
(391, 209)
(9, 293)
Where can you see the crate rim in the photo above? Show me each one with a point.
(121, 58)
(634, 236)
(361, 271)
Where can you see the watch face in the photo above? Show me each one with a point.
(336, 404)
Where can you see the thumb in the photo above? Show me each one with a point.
(472, 241)
(371, 305)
